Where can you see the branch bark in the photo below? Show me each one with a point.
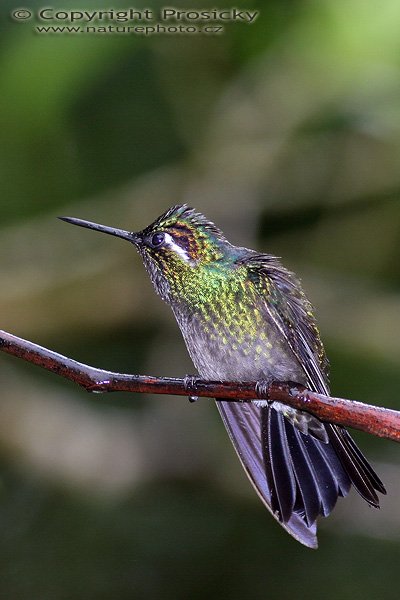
(381, 422)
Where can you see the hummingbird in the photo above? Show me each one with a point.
(245, 317)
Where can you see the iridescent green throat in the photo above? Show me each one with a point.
(221, 297)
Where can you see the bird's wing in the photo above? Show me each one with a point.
(284, 303)
(297, 476)
(287, 306)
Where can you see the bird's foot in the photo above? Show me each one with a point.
(262, 387)
(189, 382)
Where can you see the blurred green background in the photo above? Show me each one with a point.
(286, 133)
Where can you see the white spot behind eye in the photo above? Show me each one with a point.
(170, 243)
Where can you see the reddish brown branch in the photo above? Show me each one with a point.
(381, 422)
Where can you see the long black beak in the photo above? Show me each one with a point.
(121, 233)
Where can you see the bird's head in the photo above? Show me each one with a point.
(180, 242)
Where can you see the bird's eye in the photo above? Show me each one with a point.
(157, 240)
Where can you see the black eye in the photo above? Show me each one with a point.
(157, 240)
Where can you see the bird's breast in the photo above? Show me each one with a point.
(233, 339)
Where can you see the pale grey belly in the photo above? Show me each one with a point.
(215, 357)
(249, 360)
